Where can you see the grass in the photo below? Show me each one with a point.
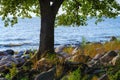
(91, 49)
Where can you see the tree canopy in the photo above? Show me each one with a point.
(18, 8)
(76, 12)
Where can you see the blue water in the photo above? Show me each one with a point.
(25, 34)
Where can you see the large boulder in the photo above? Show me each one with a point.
(9, 58)
(108, 57)
(9, 51)
(115, 60)
(48, 75)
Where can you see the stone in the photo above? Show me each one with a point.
(108, 57)
(4, 65)
(3, 53)
(9, 51)
(1, 57)
(115, 60)
(104, 77)
(113, 38)
(2, 78)
(19, 54)
(63, 54)
(48, 75)
(60, 48)
(9, 58)
(20, 61)
(26, 56)
(27, 52)
(98, 56)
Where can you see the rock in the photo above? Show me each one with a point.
(98, 56)
(63, 54)
(108, 57)
(20, 61)
(9, 51)
(28, 52)
(3, 53)
(1, 57)
(104, 77)
(2, 78)
(27, 56)
(6, 62)
(9, 58)
(48, 75)
(60, 48)
(113, 38)
(115, 60)
(4, 65)
(19, 54)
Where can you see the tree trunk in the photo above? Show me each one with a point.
(48, 14)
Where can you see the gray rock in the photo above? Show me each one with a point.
(49, 75)
(98, 56)
(108, 56)
(3, 53)
(20, 60)
(9, 51)
(28, 52)
(2, 78)
(27, 56)
(19, 54)
(113, 38)
(115, 60)
(4, 65)
(9, 58)
(104, 77)
(60, 48)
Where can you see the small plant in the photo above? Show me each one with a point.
(75, 75)
(83, 44)
(12, 72)
(114, 72)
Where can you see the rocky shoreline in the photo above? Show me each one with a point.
(97, 65)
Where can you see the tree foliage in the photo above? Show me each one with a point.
(76, 12)
(18, 8)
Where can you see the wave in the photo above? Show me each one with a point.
(17, 39)
(14, 44)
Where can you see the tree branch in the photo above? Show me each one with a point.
(56, 5)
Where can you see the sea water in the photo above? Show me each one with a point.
(25, 34)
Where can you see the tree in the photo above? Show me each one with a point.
(76, 12)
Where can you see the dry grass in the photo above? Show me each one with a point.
(92, 49)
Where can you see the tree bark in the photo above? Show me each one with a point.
(48, 14)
